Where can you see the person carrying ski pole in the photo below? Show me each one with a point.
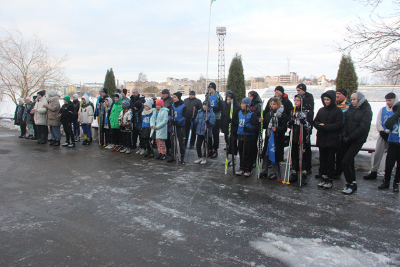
(226, 120)
(248, 125)
(301, 117)
(204, 120)
(178, 123)
(275, 123)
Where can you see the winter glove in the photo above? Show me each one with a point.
(303, 121)
(207, 122)
(384, 135)
(245, 129)
(290, 123)
(192, 119)
(175, 123)
(170, 121)
(346, 140)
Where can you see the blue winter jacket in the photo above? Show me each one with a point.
(160, 121)
(201, 122)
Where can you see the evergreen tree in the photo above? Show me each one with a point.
(236, 82)
(109, 82)
(347, 76)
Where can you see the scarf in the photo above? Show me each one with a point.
(274, 119)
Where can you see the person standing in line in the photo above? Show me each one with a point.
(190, 103)
(137, 125)
(393, 154)
(217, 103)
(53, 121)
(168, 102)
(85, 119)
(77, 106)
(158, 123)
(328, 123)
(125, 126)
(178, 122)
(205, 119)
(19, 117)
(28, 117)
(108, 103)
(286, 103)
(308, 103)
(382, 142)
(354, 134)
(114, 124)
(66, 116)
(40, 117)
(146, 129)
(248, 126)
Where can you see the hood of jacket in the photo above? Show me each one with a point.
(178, 103)
(256, 99)
(235, 103)
(332, 95)
(396, 106)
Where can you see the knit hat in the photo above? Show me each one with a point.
(207, 103)
(149, 104)
(125, 91)
(391, 95)
(342, 91)
(280, 88)
(42, 93)
(104, 90)
(165, 92)
(178, 95)
(213, 85)
(302, 87)
(228, 92)
(192, 93)
(126, 103)
(52, 92)
(118, 91)
(67, 98)
(160, 102)
(76, 96)
(246, 101)
(138, 105)
(59, 93)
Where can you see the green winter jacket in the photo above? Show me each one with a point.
(115, 111)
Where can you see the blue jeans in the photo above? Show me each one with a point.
(86, 129)
(55, 132)
(77, 130)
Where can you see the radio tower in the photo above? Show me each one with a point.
(221, 32)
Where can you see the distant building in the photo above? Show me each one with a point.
(284, 79)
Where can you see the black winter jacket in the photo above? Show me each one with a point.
(279, 134)
(226, 114)
(77, 106)
(358, 121)
(189, 104)
(332, 117)
(256, 105)
(287, 105)
(67, 113)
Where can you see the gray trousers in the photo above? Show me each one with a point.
(30, 129)
(275, 166)
(381, 147)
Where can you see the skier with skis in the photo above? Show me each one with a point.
(275, 123)
(328, 123)
(248, 126)
(234, 121)
(205, 119)
(301, 118)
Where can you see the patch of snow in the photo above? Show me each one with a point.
(313, 252)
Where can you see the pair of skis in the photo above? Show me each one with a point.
(260, 142)
(174, 136)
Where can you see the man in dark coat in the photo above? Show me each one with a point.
(135, 96)
(328, 122)
(190, 103)
(308, 103)
(28, 118)
(19, 117)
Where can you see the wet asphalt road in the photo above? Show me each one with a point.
(92, 207)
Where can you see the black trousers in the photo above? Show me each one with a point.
(69, 134)
(22, 126)
(350, 151)
(246, 147)
(338, 159)
(35, 130)
(116, 136)
(215, 136)
(135, 135)
(393, 156)
(199, 145)
(42, 133)
(187, 130)
(228, 142)
(180, 133)
(126, 139)
(168, 143)
(327, 160)
(147, 144)
(107, 136)
(296, 156)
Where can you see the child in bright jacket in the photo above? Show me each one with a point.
(114, 115)
(158, 123)
(204, 123)
(85, 118)
(105, 115)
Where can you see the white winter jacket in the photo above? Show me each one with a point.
(86, 112)
(40, 115)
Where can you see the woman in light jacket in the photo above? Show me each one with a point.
(85, 119)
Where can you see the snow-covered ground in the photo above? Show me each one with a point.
(375, 96)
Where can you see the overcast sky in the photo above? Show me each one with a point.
(165, 38)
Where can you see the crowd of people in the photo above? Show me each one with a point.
(168, 124)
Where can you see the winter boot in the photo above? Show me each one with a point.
(350, 189)
(214, 155)
(396, 187)
(85, 142)
(51, 142)
(372, 176)
(56, 143)
(146, 154)
(384, 185)
(203, 161)
(151, 154)
(328, 184)
(170, 159)
(264, 174)
(197, 161)
(239, 173)
(163, 157)
(293, 177)
(72, 145)
(272, 176)
(123, 150)
(303, 177)
(128, 150)
(159, 156)
(65, 144)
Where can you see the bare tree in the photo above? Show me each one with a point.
(27, 65)
(152, 91)
(368, 39)
(141, 82)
